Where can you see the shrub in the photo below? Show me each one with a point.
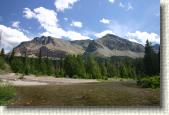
(149, 82)
(6, 93)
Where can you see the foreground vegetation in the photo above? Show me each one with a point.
(7, 92)
(108, 93)
(153, 82)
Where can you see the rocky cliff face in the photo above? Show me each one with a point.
(51, 47)
(109, 45)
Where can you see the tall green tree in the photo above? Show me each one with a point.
(159, 60)
(49, 66)
(92, 68)
(80, 67)
(112, 71)
(2, 52)
(26, 64)
(12, 55)
(150, 60)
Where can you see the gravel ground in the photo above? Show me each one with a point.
(13, 79)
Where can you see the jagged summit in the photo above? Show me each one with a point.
(108, 45)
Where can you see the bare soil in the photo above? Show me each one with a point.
(20, 80)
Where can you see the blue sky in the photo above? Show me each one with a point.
(135, 20)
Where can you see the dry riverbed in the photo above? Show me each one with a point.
(15, 80)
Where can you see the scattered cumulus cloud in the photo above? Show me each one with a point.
(77, 24)
(127, 6)
(47, 18)
(61, 5)
(76, 36)
(15, 24)
(119, 28)
(66, 19)
(121, 5)
(103, 33)
(49, 21)
(141, 37)
(112, 1)
(11, 37)
(105, 21)
(28, 13)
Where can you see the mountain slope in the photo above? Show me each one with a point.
(49, 46)
(107, 46)
(111, 45)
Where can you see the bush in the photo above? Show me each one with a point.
(149, 82)
(6, 93)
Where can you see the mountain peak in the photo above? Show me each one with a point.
(44, 40)
(107, 46)
(110, 35)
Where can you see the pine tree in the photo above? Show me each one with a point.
(2, 52)
(159, 61)
(92, 68)
(150, 60)
(49, 66)
(26, 64)
(80, 68)
(111, 70)
(123, 71)
(68, 65)
(103, 70)
(12, 55)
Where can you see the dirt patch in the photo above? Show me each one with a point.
(14, 79)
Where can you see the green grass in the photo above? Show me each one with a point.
(114, 93)
(7, 92)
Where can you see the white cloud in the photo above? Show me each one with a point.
(103, 33)
(61, 5)
(47, 18)
(119, 28)
(11, 37)
(28, 13)
(15, 24)
(141, 37)
(49, 21)
(77, 24)
(112, 1)
(105, 21)
(121, 5)
(127, 6)
(76, 36)
(66, 19)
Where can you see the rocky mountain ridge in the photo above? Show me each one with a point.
(107, 46)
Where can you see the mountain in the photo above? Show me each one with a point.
(107, 46)
(49, 46)
(112, 45)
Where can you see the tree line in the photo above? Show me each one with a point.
(87, 67)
